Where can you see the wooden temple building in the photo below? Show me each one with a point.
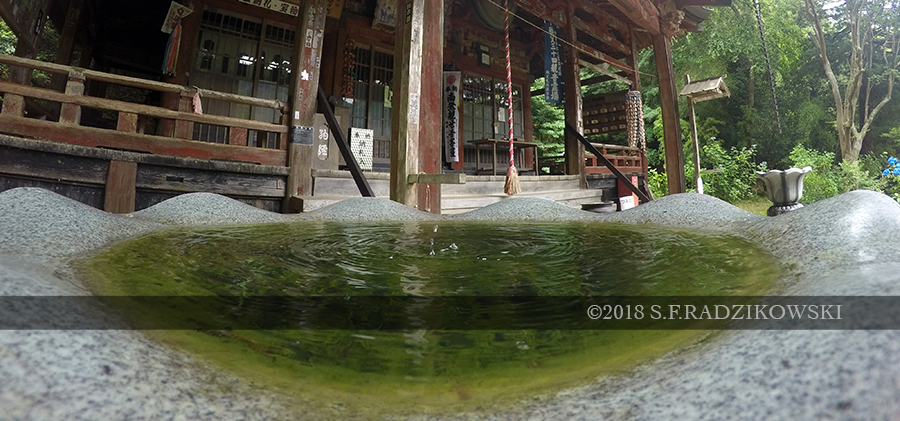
(148, 99)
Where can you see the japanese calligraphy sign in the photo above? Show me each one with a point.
(275, 6)
(451, 97)
(553, 91)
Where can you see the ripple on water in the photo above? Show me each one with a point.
(395, 371)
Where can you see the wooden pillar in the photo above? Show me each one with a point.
(120, 187)
(671, 122)
(190, 28)
(304, 97)
(694, 140)
(67, 40)
(635, 62)
(431, 127)
(528, 126)
(572, 77)
(26, 49)
(407, 100)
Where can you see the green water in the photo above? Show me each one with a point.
(418, 370)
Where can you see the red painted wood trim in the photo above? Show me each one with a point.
(94, 137)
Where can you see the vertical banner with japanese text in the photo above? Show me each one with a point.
(553, 91)
(451, 97)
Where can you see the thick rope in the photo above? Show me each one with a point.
(509, 96)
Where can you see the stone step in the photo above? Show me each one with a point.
(340, 183)
(452, 204)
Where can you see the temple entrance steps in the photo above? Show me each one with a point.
(480, 190)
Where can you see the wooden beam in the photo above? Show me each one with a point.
(593, 53)
(584, 82)
(600, 69)
(571, 75)
(605, 161)
(708, 3)
(94, 137)
(365, 190)
(304, 90)
(603, 16)
(455, 178)
(104, 154)
(602, 35)
(431, 116)
(644, 16)
(120, 187)
(668, 98)
(407, 101)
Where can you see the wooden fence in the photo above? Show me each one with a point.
(177, 142)
(626, 159)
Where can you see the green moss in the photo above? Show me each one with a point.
(372, 372)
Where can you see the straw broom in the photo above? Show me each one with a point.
(512, 175)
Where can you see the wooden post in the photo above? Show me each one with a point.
(185, 129)
(671, 124)
(120, 189)
(695, 141)
(13, 105)
(572, 77)
(635, 62)
(531, 155)
(237, 136)
(190, 28)
(67, 40)
(304, 97)
(71, 113)
(407, 95)
(127, 122)
(431, 127)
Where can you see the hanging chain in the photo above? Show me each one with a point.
(762, 36)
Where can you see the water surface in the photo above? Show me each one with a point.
(420, 370)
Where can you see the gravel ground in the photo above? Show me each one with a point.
(845, 245)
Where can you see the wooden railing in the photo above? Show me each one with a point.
(626, 159)
(176, 141)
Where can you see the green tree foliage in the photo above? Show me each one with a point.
(7, 46)
(549, 122)
(738, 172)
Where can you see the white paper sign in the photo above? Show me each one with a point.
(626, 202)
(276, 6)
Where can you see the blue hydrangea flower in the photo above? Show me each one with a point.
(886, 172)
(896, 171)
(892, 161)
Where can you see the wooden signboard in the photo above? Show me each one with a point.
(25, 18)
(604, 113)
